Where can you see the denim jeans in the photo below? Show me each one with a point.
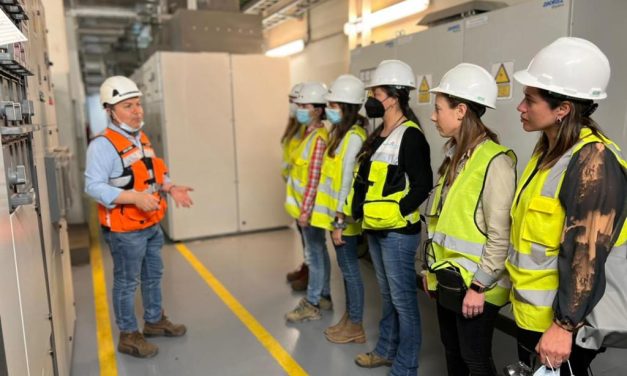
(136, 257)
(400, 338)
(319, 264)
(302, 240)
(348, 261)
(468, 342)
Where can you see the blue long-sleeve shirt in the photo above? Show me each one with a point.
(103, 164)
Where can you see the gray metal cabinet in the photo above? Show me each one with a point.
(217, 119)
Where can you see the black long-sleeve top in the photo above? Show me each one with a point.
(414, 160)
(593, 195)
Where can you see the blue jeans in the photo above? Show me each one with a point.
(136, 257)
(319, 264)
(393, 257)
(348, 261)
(302, 240)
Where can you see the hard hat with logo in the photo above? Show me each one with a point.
(573, 67)
(312, 93)
(295, 90)
(347, 89)
(393, 73)
(117, 89)
(470, 82)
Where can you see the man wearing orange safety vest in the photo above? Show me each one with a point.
(130, 184)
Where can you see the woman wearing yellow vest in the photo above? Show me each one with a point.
(346, 138)
(292, 136)
(393, 179)
(302, 184)
(568, 204)
(468, 221)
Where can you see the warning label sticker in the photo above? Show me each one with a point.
(502, 73)
(424, 85)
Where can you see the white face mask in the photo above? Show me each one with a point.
(548, 371)
(124, 126)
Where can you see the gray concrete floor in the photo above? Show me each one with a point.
(252, 267)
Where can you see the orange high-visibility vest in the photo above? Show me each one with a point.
(142, 172)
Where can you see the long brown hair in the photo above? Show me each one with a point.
(471, 133)
(290, 131)
(401, 93)
(569, 128)
(350, 117)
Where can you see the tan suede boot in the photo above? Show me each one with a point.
(372, 360)
(135, 344)
(350, 332)
(338, 326)
(164, 327)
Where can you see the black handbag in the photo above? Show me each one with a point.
(451, 288)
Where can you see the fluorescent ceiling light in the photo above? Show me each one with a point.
(384, 16)
(287, 49)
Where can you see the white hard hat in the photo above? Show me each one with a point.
(470, 82)
(573, 67)
(117, 89)
(295, 90)
(393, 73)
(312, 93)
(347, 89)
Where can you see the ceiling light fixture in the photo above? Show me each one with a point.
(384, 16)
(287, 49)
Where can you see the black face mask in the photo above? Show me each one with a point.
(374, 108)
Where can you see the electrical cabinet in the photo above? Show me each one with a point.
(217, 119)
(510, 36)
(36, 299)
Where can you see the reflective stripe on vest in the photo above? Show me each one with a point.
(330, 185)
(299, 171)
(454, 234)
(538, 220)
(382, 212)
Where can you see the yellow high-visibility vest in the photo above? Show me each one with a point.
(288, 147)
(453, 231)
(330, 185)
(538, 220)
(381, 210)
(298, 176)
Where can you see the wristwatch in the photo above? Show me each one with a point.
(478, 288)
(338, 225)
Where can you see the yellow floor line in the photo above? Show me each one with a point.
(106, 349)
(289, 365)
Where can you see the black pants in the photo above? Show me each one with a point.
(468, 342)
(580, 358)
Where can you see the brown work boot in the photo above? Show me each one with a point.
(337, 327)
(298, 273)
(135, 344)
(301, 284)
(351, 332)
(164, 327)
(372, 360)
